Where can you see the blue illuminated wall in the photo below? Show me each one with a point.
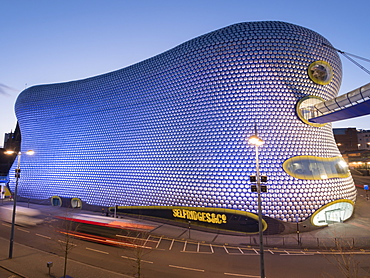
(173, 129)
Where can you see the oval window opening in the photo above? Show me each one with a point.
(76, 203)
(316, 168)
(306, 109)
(334, 212)
(56, 201)
(320, 72)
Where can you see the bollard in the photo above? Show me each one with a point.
(49, 265)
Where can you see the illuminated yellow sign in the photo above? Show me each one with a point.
(208, 217)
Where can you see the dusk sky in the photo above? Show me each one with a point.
(45, 41)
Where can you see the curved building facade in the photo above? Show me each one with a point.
(173, 130)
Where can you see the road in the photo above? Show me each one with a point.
(180, 258)
(361, 180)
(7, 274)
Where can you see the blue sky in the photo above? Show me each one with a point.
(44, 41)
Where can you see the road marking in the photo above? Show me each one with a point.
(241, 251)
(23, 230)
(173, 240)
(255, 251)
(146, 240)
(196, 252)
(136, 259)
(103, 252)
(159, 241)
(43, 236)
(186, 268)
(210, 246)
(240, 254)
(240, 275)
(271, 252)
(227, 251)
(296, 254)
(183, 250)
(6, 225)
(66, 243)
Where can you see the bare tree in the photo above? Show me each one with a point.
(136, 246)
(343, 256)
(66, 229)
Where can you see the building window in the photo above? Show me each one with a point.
(306, 110)
(316, 168)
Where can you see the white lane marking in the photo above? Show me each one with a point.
(69, 243)
(210, 246)
(255, 251)
(171, 244)
(135, 259)
(271, 252)
(296, 254)
(186, 268)
(227, 251)
(241, 251)
(99, 251)
(149, 262)
(240, 275)
(43, 236)
(146, 240)
(240, 254)
(183, 250)
(159, 241)
(196, 252)
(23, 230)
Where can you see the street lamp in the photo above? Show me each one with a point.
(256, 141)
(17, 175)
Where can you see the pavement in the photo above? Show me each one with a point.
(354, 233)
(32, 263)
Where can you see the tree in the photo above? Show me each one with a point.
(66, 229)
(343, 256)
(135, 246)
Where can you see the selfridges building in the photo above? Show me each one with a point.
(171, 132)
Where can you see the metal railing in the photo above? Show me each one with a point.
(312, 242)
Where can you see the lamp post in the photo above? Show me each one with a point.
(17, 176)
(256, 141)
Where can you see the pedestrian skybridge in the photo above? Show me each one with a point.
(315, 111)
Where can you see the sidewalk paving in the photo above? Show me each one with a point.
(32, 263)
